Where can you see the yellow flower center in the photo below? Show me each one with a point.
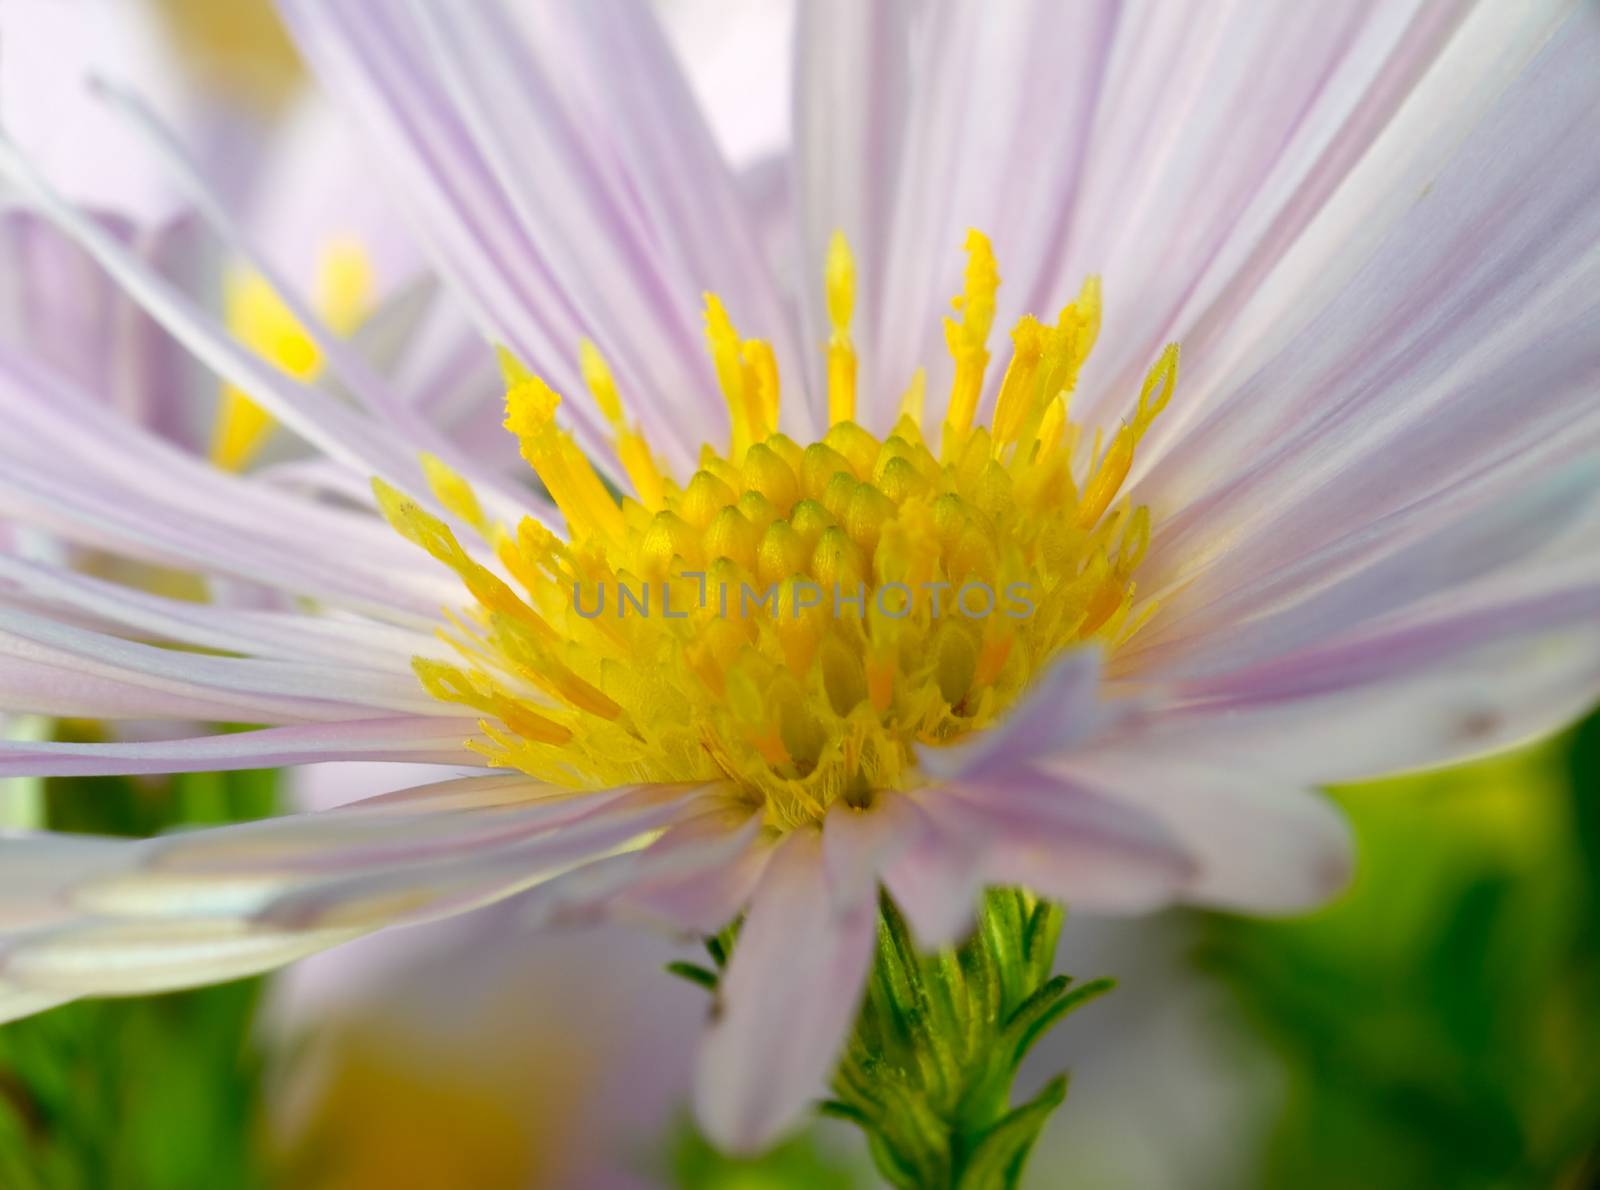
(796, 618)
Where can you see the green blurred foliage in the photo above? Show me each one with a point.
(148, 1093)
(1440, 1024)
(802, 1163)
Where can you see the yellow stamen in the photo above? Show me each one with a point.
(739, 376)
(839, 275)
(555, 457)
(632, 449)
(968, 339)
(260, 320)
(796, 621)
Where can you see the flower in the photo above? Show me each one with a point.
(1357, 536)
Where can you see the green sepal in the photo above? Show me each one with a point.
(695, 974)
(997, 1159)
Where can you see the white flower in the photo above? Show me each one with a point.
(1358, 536)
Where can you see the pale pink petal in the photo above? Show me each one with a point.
(935, 881)
(690, 195)
(851, 103)
(1524, 539)
(1456, 365)
(103, 482)
(356, 643)
(859, 844)
(343, 433)
(785, 1002)
(411, 738)
(1064, 841)
(1222, 130)
(1474, 701)
(143, 915)
(521, 206)
(346, 364)
(59, 307)
(1001, 100)
(16, 1003)
(719, 843)
(245, 688)
(702, 902)
(1061, 707)
(1256, 844)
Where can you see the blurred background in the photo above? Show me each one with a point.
(1438, 1026)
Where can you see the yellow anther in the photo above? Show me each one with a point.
(839, 275)
(261, 320)
(735, 376)
(865, 516)
(633, 452)
(454, 492)
(1159, 384)
(758, 510)
(567, 474)
(836, 562)
(955, 661)
(969, 337)
(915, 398)
(810, 520)
(602, 385)
(763, 365)
(1108, 477)
(844, 677)
(1016, 400)
(837, 495)
(1051, 425)
(344, 285)
(1113, 469)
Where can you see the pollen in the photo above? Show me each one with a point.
(795, 618)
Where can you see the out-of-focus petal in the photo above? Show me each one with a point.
(413, 738)
(1063, 840)
(785, 1002)
(61, 308)
(146, 915)
(1257, 844)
